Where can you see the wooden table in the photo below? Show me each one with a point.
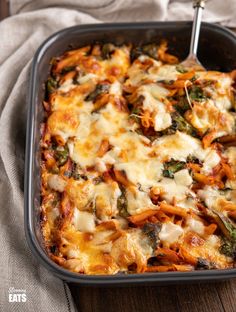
(208, 297)
(204, 297)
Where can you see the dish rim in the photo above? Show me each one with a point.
(34, 245)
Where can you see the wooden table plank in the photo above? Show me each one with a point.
(227, 294)
(204, 297)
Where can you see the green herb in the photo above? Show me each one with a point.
(203, 264)
(67, 69)
(171, 167)
(135, 53)
(181, 124)
(194, 78)
(228, 229)
(100, 89)
(53, 249)
(61, 154)
(67, 173)
(98, 180)
(181, 69)
(107, 50)
(135, 114)
(197, 94)
(51, 85)
(122, 204)
(193, 159)
(152, 230)
(229, 242)
(182, 105)
(166, 82)
(76, 77)
(228, 248)
(55, 169)
(79, 176)
(151, 50)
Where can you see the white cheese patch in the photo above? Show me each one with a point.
(141, 241)
(170, 232)
(172, 191)
(100, 165)
(101, 237)
(106, 196)
(67, 86)
(162, 121)
(211, 160)
(116, 88)
(85, 121)
(230, 153)
(83, 221)
(56, 183)
(210, 196)
(183, 177)
(214, 240)
(153, 95)
(131, 247)
(178, 146)
(164, 72)
(146, 172)
(73, 253)
(53, 214)
(138, 201)
(108, 159)
(196, 226)
(86, 78)
(188, 203)
(132, 144)
(70, 145)
(223, 103)
(110, 120)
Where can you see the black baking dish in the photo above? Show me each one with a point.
(217, 50)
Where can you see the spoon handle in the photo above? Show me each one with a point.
(198, 7)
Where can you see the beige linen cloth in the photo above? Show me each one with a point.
(20, 36)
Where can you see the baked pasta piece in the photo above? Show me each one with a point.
(138, 165)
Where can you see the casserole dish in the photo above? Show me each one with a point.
(177, 34)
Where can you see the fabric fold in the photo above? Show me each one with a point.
(21, 34)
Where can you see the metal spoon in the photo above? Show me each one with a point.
(192, 61)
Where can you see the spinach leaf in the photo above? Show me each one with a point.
(51, 85)
(67, 69)
(182, 105)
(228, 231)
(196, 93)
(181, 69)
(122, 204)
(151, 50)
(152, 231)
(100, 89)
(171, 167)
(135, 53)
(107, 50)
(203, 264)
(179, 123)
(228, 248)
(62, 154)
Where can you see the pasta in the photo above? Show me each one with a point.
(138, 170)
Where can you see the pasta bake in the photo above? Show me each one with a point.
(138, 162)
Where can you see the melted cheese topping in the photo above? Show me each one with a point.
(170, 232)
(178, 146)
(121, 179)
